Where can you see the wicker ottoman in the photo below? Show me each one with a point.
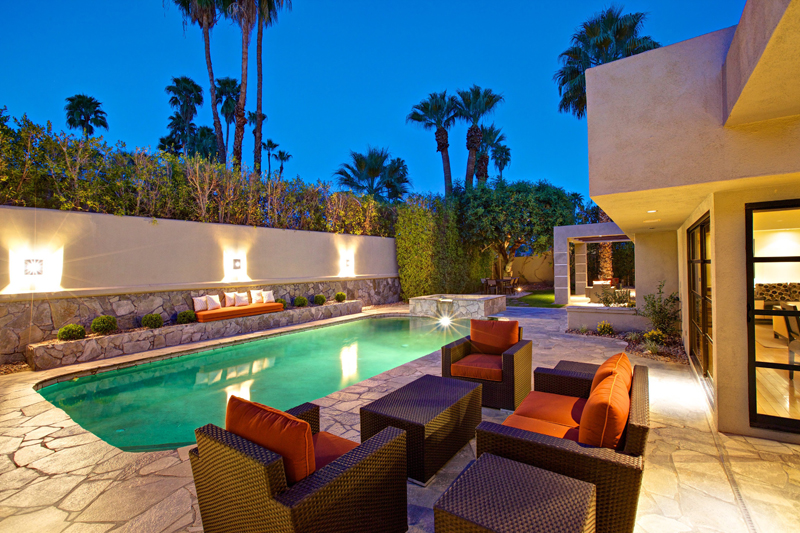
(438, 414)
(501, 495)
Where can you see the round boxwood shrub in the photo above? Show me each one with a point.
(152, 321)
(340, 297)
(300, 301)
(187, 317)
(104, 324)
(281, 301)
(71, 332)
(319, 299)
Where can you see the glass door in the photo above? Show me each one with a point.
(701, 334)
(773, 270)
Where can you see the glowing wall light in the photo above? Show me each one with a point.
(347, 263)
(349, 358)
(242, 390)
(34, 270)
(234, 265)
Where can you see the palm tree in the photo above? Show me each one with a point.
(245, 14)
(185, 97)
(472, 105)
(437, 112)
(253, 121)
(227, 94)
(605, 37)
(270, 147)
(203, 142)
(491, 138)
(204, 14)
(374, 174)
(84, 113)
(502, 157)
(282, 157)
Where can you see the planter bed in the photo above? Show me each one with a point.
(53, 354)
(622, 318)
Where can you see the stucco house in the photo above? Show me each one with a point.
(694, 152)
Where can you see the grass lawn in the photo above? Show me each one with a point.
(542, 298)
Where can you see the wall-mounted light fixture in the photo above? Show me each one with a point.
(347, 263)
(237, 264)
(27, 272)
(234, 265)
(34, 267)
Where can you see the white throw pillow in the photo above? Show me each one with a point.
(200, 303)
(257, 296)
(213, 302)
(230, 299)
(268, 297)
(241, 299)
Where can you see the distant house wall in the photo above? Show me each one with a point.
(534, 268)
(656, 260)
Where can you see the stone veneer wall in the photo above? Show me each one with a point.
(47, 355)
(782, 292)
(466, 308)
(32, 321)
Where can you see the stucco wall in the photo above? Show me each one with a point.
(106, 251)
(656, 260)
(534, 268)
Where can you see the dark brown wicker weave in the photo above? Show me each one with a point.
(504, 496)
(241, 487)
(617, 474)
(516, 384)
(439, 416)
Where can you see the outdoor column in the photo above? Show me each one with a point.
(580, 269)
(561, 266)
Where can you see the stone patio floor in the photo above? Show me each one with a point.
(55, 476)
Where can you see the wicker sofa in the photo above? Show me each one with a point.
(242, 486)
(513, 367)
(617, 473)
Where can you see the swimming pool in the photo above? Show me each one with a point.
(158, 405)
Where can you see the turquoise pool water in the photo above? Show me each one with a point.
(157, 406)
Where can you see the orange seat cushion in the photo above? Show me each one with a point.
(479, 366)
(555, 408)
(276, 431)
(493, 336)
(235, 312)
(542, 427)
(328, 447)
(616, 363)
(605, 413)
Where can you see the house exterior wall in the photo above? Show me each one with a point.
(534, 268)
(656, 260)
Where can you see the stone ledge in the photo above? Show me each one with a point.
(622, 318)
(47, 355)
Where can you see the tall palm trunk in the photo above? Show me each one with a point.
(221, 149)
(269, 164)
(259, 71)
(474, 137)
(442, 146)
(482, 168)
(606, 256)
(241, 119)
(227, 135)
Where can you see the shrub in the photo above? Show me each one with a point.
(152, 321)
(300, 301)
(651, 346)
(319, 299)
(610, 297)
(584, 329)
(187, 317)
(604, 328)
(655, 335)
(663, 312)
(104, 324)
(634, 336)
(71, 332)
(340, 297)
(281, 301)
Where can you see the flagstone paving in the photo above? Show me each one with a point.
(57, 477)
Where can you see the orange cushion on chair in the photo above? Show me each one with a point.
(479, 366)
(276, 431)
(616, 363)
(328, 447)
(542, 427)
(493, 336)
(555, 408)
(605, 413)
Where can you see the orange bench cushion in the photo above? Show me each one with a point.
(235, 312)
(329, 447)
(493, 336)
(555, 408)
(616, 363)
(479, 366)
(276, 431)
(606, 413)
(543, 427)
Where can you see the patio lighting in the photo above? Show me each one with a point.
(34, 267)
(234, 265)
(237, 264)
(347, 263)
(653, 211)
(445, 321)
(27, 272)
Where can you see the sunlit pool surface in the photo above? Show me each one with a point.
(157, 406)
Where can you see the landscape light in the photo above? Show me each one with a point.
(445, 321)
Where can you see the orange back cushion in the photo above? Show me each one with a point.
(493, 336)
(618, 363)
(276, 431)
(605, 413)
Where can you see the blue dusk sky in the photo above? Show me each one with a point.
(339, 75)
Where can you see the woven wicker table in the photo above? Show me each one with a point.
(438, 414)
(501, 495)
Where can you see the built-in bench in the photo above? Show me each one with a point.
(238, 311)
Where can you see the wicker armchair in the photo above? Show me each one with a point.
(516, 383)
(616, 473)
(241, 487)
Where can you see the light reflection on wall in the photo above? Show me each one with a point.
(234, 265)
(349, 359)
(347, 262)
(45, 277)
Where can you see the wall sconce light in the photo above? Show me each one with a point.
(347, 263)
(237, 264)
(34, 267)
(234, 264)
(26, 270)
